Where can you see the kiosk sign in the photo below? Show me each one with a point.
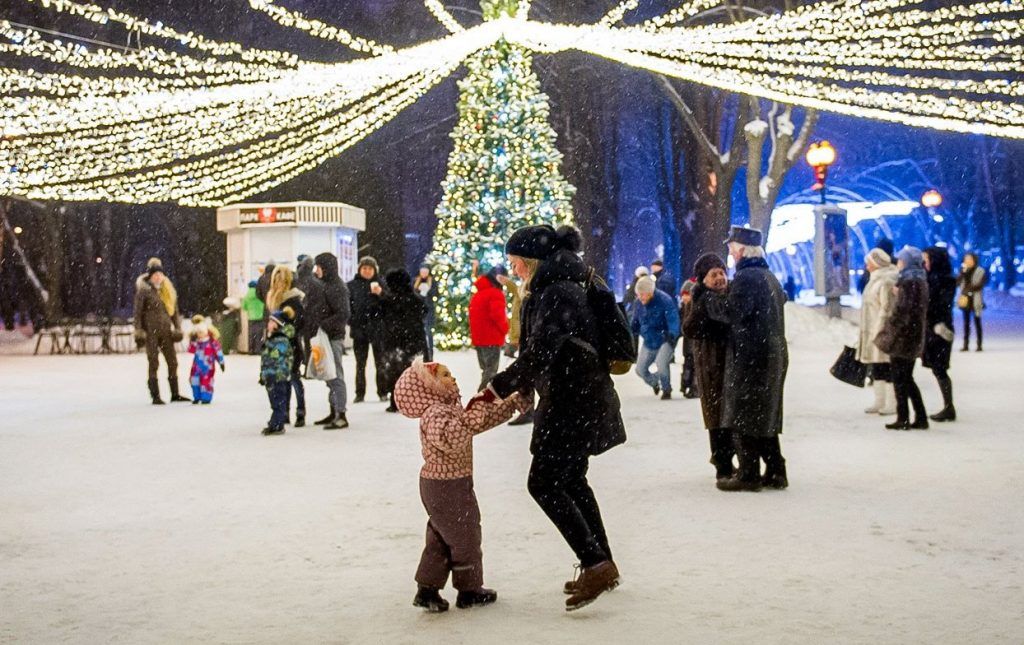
(266, 215)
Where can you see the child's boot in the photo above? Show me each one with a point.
(430, 599)
(475, 598)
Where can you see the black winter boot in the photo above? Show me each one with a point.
(176, 396)
(475, 598)
(722, 451)
(327, 419)
(948, 412)
(154, 392)
(300, 419)
(339, 422)
(774, 464)
(749, 476)
(430, 599)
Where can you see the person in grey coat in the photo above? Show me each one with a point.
(756, 363)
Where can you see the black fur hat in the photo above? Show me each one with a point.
(541, 241)
(705, 263)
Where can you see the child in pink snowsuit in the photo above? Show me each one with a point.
(428, 391)
(207, 353)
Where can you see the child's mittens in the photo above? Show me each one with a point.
(487, 396)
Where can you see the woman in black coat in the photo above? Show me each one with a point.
(938, 333)
(710, 339)
(401, 313)
(577, 414)
(902, 338)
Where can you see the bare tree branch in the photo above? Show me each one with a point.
(691, 121)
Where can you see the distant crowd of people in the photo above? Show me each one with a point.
(907, 313)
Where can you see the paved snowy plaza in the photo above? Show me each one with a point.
(122, 522)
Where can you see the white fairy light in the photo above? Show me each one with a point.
(224, 121)
(442, 15)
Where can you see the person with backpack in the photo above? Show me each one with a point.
(577, 412)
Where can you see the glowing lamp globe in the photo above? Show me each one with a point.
(821, 154)
(931, 199)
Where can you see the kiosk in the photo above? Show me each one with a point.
(260, 233)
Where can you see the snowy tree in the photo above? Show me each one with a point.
(504, 173)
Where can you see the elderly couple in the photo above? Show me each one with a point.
(739, 345)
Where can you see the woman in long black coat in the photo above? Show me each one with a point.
(902, 338)
(710, 339)
(577, 414)
(401, 313)
(938, 333)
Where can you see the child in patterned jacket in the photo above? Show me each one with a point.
(204, 345)
(276, 367)
(429, 392)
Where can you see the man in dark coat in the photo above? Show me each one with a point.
(756, 363)
(157, 328)
(577, 413)
(335, 317)
(314, 306)
(710, 338)
(663, 280)
(366, 330)
(401, 312)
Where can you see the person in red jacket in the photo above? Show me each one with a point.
(488, 323)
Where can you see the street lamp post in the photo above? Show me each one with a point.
(820, 156)
(931, 200)
(831, 235)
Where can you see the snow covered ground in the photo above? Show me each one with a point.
(122, 522)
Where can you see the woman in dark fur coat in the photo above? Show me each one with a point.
(902, 338)
(710, 339)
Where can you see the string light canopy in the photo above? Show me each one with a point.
(202, 122)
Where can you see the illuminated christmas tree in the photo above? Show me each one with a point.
(503, 174)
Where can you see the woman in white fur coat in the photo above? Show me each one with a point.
(876, 308)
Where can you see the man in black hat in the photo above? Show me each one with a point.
(756, 363)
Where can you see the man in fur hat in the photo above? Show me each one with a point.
(158, 326)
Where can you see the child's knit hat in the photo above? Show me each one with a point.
(283, 316)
